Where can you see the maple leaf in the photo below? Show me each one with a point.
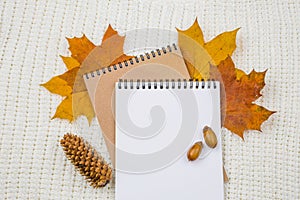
(62, 84)
(70, 62)
(198, 54)
(85, 57)
(110, 52)
(65, 110)
(80, 47)
(239, 113)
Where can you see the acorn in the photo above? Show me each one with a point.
(210, 137)
(194, 151)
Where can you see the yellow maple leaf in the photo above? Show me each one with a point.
(65, 109)
(70, 62)
(199, 54)
(62, 84)
(75, 105)
(85, 57)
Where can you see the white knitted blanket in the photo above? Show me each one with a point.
(32, 164)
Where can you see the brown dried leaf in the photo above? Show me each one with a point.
(238, 110)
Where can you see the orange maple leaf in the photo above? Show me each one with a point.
(85, 57)
(110, 52)
(198, 54)
(80, 47)
(239, 113)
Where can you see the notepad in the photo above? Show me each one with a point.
(156, 124)
(166, 62)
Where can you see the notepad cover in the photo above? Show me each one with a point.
(166, 63)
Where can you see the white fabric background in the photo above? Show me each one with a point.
(32, 164)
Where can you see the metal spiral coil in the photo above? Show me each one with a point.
(131, 61)
(167, 84)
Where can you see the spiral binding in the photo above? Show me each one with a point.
(131, 61)
(167, 84)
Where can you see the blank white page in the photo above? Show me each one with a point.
(156, 124)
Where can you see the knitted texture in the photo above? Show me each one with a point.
(32, 163)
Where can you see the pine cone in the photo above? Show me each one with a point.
(86, 160)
